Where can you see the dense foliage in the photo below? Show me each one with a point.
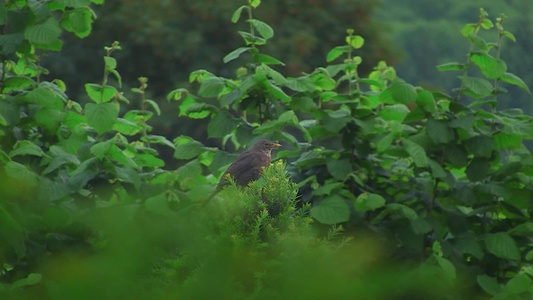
(433, 190)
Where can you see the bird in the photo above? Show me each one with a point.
(248, 166)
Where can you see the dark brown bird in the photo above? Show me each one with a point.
(248, 166)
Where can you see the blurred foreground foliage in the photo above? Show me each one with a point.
(433, 191)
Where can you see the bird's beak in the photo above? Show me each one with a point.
(276, 145)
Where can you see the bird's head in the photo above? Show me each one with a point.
(265, 145)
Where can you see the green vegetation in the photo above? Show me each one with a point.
(383, 190)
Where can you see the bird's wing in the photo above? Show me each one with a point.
(247, 167)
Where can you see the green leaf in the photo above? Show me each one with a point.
(17, 83)
(268, 60)
(469, 246)
(486, 24)
(100, 94)
(331, 210)
(490, 67)
(12, 233)
(99, 150)
(504, 141)
(339, 168)
(417, 153)
(426, 101)
(480, 146)
(39, 9)
(515, 80)
(45, 33)
(336, 120)
(237, 14)
(186, 148)
(336, 53)
(478, 169)
(468, 30)
(21, 173)
(369, 201)
(384, 144)
(78, 21)
(420, 226)
(404, 210)
(74, 3)
(301, 84)
(395, 112)
(211, 87)
(402, 92)
(31, 279)
(101, 116)
(509, 35)
(502, 245)
(159, 205)
(263, 28)
(221, 125)
(439, 132)
(437, 170)
(235, 54)
(454, 66)
(26, 148)
(355, 41)
(489, 284)
(479, 86)
(277, 92)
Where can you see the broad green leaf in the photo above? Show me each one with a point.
(331, 210)
(17, 83)
(237, 14)
(437, 170)
(301, 84)
(101, 149)
(502, 245)
(100, 94)
(52, 190)
(101, 116)
(457, 156)
(486, 23)
(469, 246)
(235, 54)
(420, 226)
(221, 125)
(504, 141)
(44, 97)
(39, 9)
(402, 92)
(515, 80)
(426, 101)
(355, 41)
(468, 30)
(211, 87)
(384, 144)
(479, 42)
(369, 201)
(478, 169)
(159, 205)
(490, 67)
(45, 33)
(447, 267)
(417, 153)
(26, 148)
(187, 148)
(404, 210)
(439, 132)
(454, 66)
(12, 233)
(74, 3)
(110, 63)
(254, 3)
(339, 168)
(21, 173)
(277, 92)
(263, 28)
(336, 120)
(250, 39)
(10, 42)
(31, 279)
(479, 86)
(78, 21)
(489, 284)
(509, 35)
(519, 284)
(148, 160)
(336, 53)
(395, 112)
(268, 60)
(480, 146)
